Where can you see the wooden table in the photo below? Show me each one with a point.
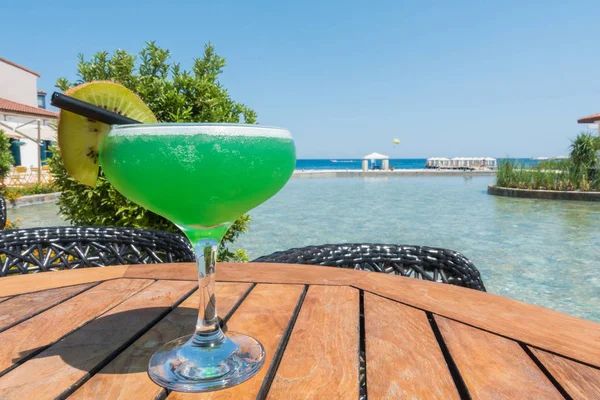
(89, 334)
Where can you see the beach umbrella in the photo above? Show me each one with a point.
(396, 141)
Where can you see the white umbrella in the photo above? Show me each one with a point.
(47, 132)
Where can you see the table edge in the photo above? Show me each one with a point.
(567, 335)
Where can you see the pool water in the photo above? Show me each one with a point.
(544, 252)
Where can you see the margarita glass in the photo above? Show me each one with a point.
(202, 177)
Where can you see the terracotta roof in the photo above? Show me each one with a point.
(41, 92)
(23, 109)
(590, 119)
(19, 66)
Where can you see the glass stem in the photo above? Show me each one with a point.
(208, 332)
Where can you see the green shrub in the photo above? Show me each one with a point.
(6, 158)
(174, 95)
(552, 175)
(584, 159)
(583, 151)
(578, 172)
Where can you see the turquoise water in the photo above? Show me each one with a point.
(543, 252)
(539, 251)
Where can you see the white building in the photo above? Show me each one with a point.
(591, 120)
(462, 163)
(23, 117)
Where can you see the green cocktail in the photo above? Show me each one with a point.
(202, 177)
(198, 176)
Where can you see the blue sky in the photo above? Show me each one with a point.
(448, 78)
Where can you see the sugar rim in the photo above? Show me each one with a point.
(212, 129)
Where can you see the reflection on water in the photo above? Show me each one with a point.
(544, 252)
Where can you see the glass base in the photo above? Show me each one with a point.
(184, 367)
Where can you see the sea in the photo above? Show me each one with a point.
(397, 163)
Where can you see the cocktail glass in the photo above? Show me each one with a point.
(202, 177)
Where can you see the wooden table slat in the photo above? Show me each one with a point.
(580, 381)
(264, 315)
(541, 327)
(24, 306)
(494, 367)
(248, 272)
(50, 325)
(321, 357)
(126, 376)
(404, 360)
(19, 284)
(56, 371)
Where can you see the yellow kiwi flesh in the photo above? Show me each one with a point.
(79, 137)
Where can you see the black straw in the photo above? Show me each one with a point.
(90, 111)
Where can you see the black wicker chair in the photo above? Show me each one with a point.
(428, 263)
(24, 251)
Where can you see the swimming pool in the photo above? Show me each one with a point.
(543, 252)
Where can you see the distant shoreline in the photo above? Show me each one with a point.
(336, 173)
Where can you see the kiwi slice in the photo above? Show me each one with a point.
(79, 137)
